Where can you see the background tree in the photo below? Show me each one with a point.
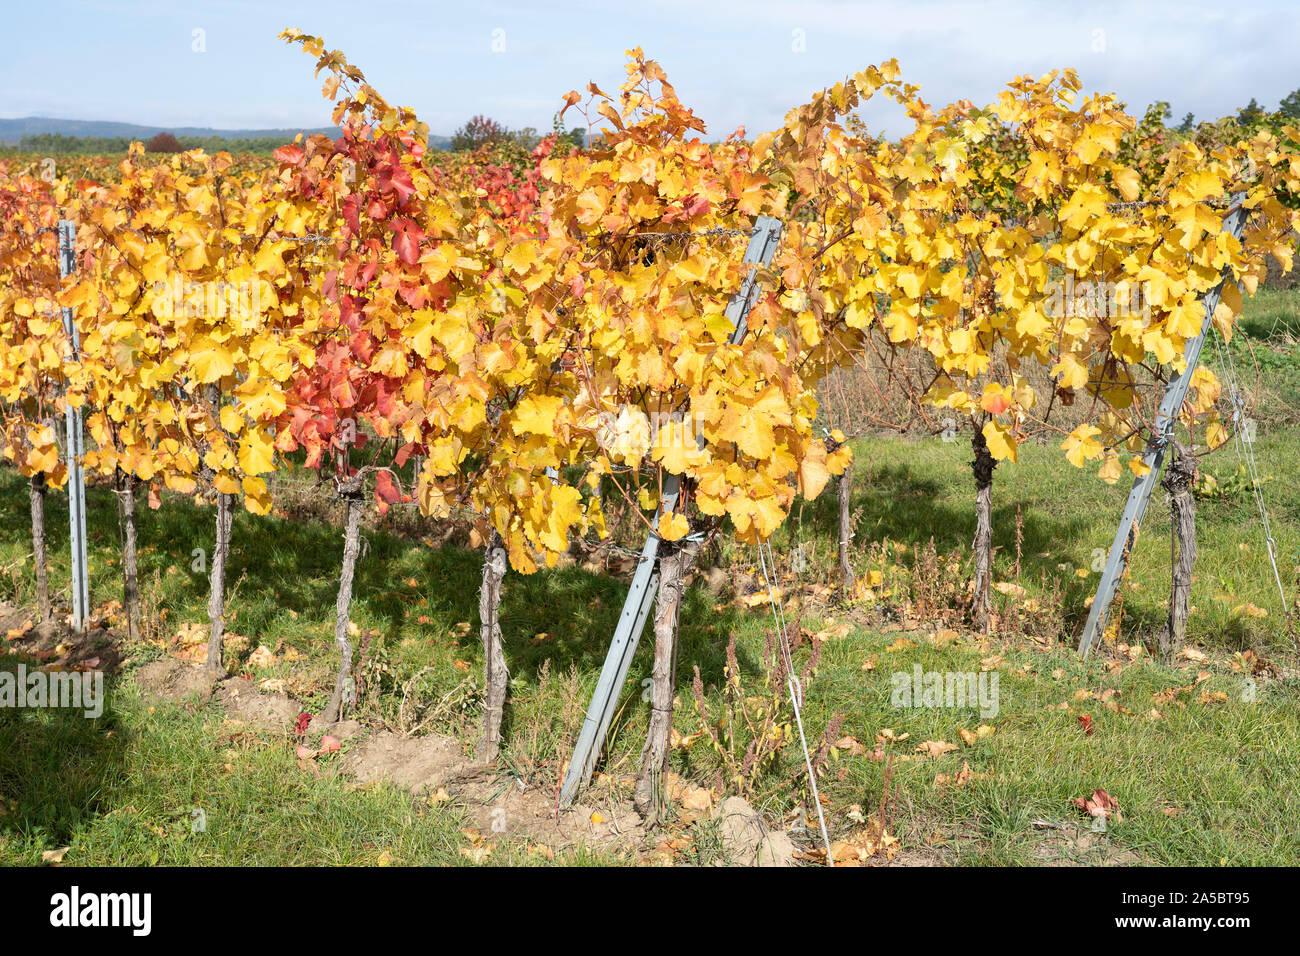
(1157, 113)
(479, 131)
(1290, 106)
(1250, 114)
(164, 143)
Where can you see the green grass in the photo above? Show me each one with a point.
(121, 789)
(915, 491)
(103, 786)
(1272, 314)
(1228, 768)
(125, 788)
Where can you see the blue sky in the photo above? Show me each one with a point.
(733, 62)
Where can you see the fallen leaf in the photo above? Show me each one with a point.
(1100, 804)
(870, 841)
(54, 857)
(262, 658)
(696, 798)
(850, 744)
(936, 748)
(961, 778)
(945, 637)
(477, 854)
(679, 742)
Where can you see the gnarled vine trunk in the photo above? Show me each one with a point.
(982, 467)
(495, 673)
(354, 506)
(36, 492)
(217, 585)
(125, 486)
(844, 495)
(1178, 481)
(676, 561)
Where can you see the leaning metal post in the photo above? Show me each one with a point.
(1170, 404)
(645, 580)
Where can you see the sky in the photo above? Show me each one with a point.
(735, 62)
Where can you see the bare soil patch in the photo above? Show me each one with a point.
(55, 643)
(170, 679)
(1071, 844)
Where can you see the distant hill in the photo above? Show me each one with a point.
(13, 130)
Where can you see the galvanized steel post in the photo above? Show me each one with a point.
(75, 449)
(1170, 404)
(645, 580)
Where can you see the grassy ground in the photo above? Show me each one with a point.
(1272, 314)
(121, 789)
(1205, 775)
(917, 491)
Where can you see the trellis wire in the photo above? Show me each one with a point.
(1244, 443)
(767, 564)
(718, 232)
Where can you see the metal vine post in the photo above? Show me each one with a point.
(1167, 415)
(74, 448)
(645, 580)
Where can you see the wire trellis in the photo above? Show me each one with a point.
(1244, 444)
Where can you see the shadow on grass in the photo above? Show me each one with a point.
(900, 504)
(57, 767)
(277, 564)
